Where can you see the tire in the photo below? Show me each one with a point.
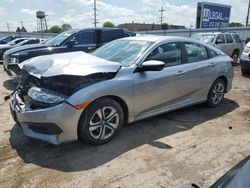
(100, 122)
(244, 72)
(235, 56)
(216, 93)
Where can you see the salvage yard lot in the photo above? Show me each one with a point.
(193, 145)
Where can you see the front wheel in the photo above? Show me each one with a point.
(216, 93)
(101, 121)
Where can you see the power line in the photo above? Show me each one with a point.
(162, 10)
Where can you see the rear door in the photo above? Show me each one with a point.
(230, 44)
(199, 69)
(222, 44)
(157, 91)
(86, 41)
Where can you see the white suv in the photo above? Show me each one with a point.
(229, 43)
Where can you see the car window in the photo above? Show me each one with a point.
(229, 38)
(7, 39)
(36, 41)
(109, 35)
(237, 38)
(221, 37)
(195, 52)
(206, 38)
(123, 51)
(211, 53)
(86, 37)
(169, 53)
(17, 41)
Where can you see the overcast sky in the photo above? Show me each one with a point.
(79, 13)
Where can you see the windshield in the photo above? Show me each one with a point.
(6, 39)
(206, 38)
(13, 42)
(125, 52)
(57, 40)
(22, 43)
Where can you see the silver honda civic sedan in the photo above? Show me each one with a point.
(64, 97)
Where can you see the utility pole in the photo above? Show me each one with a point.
(162, 10)
(248, 13)
(21, 22)
(8, 27)
(95, 14)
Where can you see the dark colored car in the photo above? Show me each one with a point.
(237, 177)
(86, 40)
(7, 39)
(15, 43)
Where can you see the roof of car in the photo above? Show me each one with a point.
(218, 33)
(97, 28)
(155, 38)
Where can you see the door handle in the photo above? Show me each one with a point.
(180, 72)
(211, 64)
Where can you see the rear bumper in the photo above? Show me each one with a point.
(55, 124)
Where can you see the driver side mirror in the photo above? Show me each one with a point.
(151, 65)
(218, 41)
(71, 43)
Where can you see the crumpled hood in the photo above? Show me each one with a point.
(72, 63)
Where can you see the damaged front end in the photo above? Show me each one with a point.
(46, 79)
(39, 104)
(49, 91)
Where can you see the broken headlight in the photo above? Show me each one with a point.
(45, 95)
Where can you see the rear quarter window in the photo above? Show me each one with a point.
(109, 35)
(237, 38)
(229, 38)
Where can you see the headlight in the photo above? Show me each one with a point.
(14, 60)
(45, 95)
(246, 49)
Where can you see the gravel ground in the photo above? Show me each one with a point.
(193, 145)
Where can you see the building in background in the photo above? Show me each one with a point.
(212, 15)
(146, 27)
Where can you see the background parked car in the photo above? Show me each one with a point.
(15, 43)
(245, 60)
(7, 39)
(74, 95)
(86, 40)
(229, 43)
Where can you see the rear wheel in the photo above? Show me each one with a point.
(216, 93)
(101, 121)
(244, 72)
(235, 56)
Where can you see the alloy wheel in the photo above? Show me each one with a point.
(218, 93)
(103, 123)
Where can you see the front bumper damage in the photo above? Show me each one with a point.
(55, 124)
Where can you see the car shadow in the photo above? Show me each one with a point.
(10, 84)
(77, 156)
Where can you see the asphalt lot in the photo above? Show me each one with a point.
(193, 145)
